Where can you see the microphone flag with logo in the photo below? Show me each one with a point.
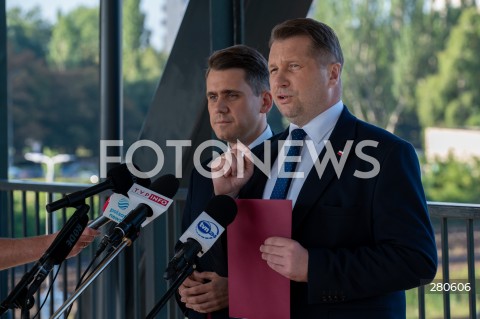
(141, 207)
(119, 206)
(205, 230)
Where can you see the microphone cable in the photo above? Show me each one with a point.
(48, 291)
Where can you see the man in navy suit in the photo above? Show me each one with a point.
(361, 233)
(239, 99)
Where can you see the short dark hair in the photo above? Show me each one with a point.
(323, 37)
(246, 58)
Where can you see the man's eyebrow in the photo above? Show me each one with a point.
(226, 91)
(285, 61)
(229, 91)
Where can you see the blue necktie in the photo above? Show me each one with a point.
(282, 184)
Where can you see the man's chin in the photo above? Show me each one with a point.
(226, 137)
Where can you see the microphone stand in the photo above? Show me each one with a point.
(185, 272)
(100, 268)
(22, 294)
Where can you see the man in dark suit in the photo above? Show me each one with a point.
(361, 233)
(239, 99)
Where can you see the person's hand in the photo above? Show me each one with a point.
(231, 171)
(287, 257)
(85, 239)
(204, 292)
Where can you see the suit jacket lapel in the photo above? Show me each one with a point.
(257, 183)
(314, 186)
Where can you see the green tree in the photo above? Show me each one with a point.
(53, 108)
(451, 97)
(140, 60)
(28, 31)
(388, 47)
(365, 31)
(29, 81)
(142, 67)
(74, 41)
(379, 40)
(133, 28)
(57, 104)
(407, 18)
(452, 181)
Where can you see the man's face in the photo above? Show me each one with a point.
(302, 87)
(235, 111)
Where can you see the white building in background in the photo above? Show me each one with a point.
(463, 144)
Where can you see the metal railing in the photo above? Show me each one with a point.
(25, 208)
(451, 219)
(27, 216)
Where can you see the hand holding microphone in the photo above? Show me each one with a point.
(149, 203)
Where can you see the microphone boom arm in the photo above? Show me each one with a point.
(22, 294)
(100, 268)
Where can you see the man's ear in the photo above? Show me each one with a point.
(334, 70)
(267, 102)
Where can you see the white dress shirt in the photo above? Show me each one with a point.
(318, 130)
(266, 134)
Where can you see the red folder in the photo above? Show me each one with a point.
(255, 290)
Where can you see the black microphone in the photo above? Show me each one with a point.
(166, 186)
(61, 246)
(67, 238)
(202, 233)
(119, 179)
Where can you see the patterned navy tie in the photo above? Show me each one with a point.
(282, 184)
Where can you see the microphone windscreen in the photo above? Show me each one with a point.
(122, 179)
(166, 185)
(223, 209)
(145, 182)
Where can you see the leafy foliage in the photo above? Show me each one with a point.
(74, 41)
(450, 97)
(407, 67)
(28, 32)
(54, 78)
(452, 181)
(56, 108)
(388, 46)
(367, 31)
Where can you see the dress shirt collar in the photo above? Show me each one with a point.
(266, 134)
(322, 124)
